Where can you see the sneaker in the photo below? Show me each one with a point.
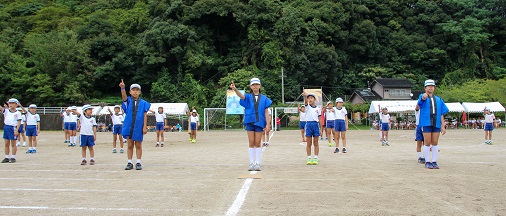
(65, 141)
(114, 151)
(344, 150)
(83, 162)
(190, 139)
(161, 145)
(121, 151)
(194, 140)
(434, 165)
(124, 141)
(13, 160)
(428, 165)
(315, 161)
(337, 150)
(29, 151)
(18, 144)
(69, 145)
(34, 151)
(326, 138)
(309, 161)
(251, 167)
(24, 144)
(129, 166)
(421, 160)
(157, 145)
(257, 167)
(138, 166)
(92, 162)
(330, 144)
(321, 138)
(5, 160)
(386, 143)
(263, 144)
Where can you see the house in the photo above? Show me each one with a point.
(383, 89)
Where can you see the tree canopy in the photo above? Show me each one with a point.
(57, 52)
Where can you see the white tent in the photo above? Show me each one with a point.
(479, 107)
(393, 106)
(171, 108)
(455, 107)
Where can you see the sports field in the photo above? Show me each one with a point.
(202, 178)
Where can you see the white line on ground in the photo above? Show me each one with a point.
(97, 209)
(61, 179)
(80, 190)
(24, 207)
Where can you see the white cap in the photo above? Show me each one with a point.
(194, 111)
(13, 100)
(487, 109)
(73, 108)
(116, 106)
(87, 106)
(135, 86)
(254, 81)
(311, 94)
(430, 82)
(339, 100)
(330, 102)
(69, 108)
(32, 106)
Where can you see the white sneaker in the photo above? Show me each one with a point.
(257, 167)
(251, 167)
(18, 144)
(24, 144)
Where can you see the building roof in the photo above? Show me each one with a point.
(366, 95)
(393, 82)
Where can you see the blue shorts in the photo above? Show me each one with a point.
(489, 126)
(21, 129)
(87, 140)
(117, 129)
(385, 127)
(159, 126)
(72, 126)
(302, 125)
(340, 125)
(312, 129)
(252, 127)
(430, 129)
(31, 130)
(193, 126)
(9, 133)
(66, 125)
(418, 133)
(330, 124)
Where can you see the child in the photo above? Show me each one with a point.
(12, 122)
(385, 125)
(302, 121)
(489, 126)
(66, 118)
(72, 126)
(313, 114)
(189, 123)
(117, 122)
(419, 136)
(88, 131)
(341, 124)
(161, 121)
(432, 111)
(265, 137)
(323, 120)
(21, 130)
(135, 124)
(256, 119)
(331, 118)
(32, 127)
(194, 125)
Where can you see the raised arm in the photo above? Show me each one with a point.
(123, 91)
(22, 108)
(110, 112)
(304, 95)
(237, 92)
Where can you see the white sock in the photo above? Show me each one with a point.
(129, 161)
(6, 156)
(92, 159)
(138, 160)
(34, 148)
(13, 156)
(316, 157)
(308, 157)
(84, 158)
(435, 153)
(73, 139)
(29, 148)
(251, 152)
(419, 154)
(258, 152)
(157, 143)
(426, 152)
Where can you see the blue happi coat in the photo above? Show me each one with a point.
(142, 107)
(441, 109)
(249, 109)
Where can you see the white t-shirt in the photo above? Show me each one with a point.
(32, 119)
(12, 118)
(489, 118)
(66, 117)
(87, 125)
(385, 118)
(73, 118)
(160, 117)
(417, 116)
(340, 113)
(117, 119)
(23, 119)
(302, 116)
(331, 116)
(194, 119)
(313, 113)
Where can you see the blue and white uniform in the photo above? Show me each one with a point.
(66, 120)
(331, 118)
(22, 126)
(32, 121)
(385, 121)
(87, 135)
(418, 130)
(489, 122)
(117, 122)
(313, 114)
(193, 122)
(254, 111)
(11, 120)
(340, 122)
(302, 120)
(160, 120)
(72, 122)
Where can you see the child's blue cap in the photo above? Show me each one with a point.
(135, 86)
(339, 100)
(430, 82)
(32, 106)
(13, 100)
(87, 106)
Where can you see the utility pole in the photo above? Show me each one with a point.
(282, 86)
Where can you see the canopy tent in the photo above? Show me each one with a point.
(171, 108)
(393, 106)
(479, 107)
(455, 107)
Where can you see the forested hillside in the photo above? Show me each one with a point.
(55, 52)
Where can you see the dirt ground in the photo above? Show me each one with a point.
(202, 178)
